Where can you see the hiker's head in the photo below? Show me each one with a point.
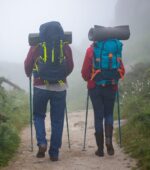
(51, 31)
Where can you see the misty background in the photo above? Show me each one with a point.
(19, 18)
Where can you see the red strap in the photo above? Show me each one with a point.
(94, 73)
(121, 74)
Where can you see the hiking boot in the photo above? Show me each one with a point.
(108, 139)
(100, 144)
(53, 158)
(99, 153)
(41, 151)
(110, 148)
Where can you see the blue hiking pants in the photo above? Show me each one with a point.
(103, 99)
(57, 107)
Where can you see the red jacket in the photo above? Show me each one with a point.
(34, 53)
(87, 68)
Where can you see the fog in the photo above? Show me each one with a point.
(20, 17)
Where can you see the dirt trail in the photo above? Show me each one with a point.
(75, 158)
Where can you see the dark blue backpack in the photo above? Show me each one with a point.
(52, 62)
(106, 61)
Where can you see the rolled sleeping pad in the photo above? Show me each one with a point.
(34, 38)
(100, 33)
(68, 37)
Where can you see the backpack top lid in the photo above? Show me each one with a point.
(51, 31)
(52, 34)
(110, 46)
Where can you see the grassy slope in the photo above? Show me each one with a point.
(136, 134)
(13, 116)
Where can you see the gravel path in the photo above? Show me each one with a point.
(74, 158)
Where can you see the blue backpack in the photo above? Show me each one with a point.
(51, 66)
(106, 61)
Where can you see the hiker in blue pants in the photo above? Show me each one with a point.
(50, 62)
(102, 68)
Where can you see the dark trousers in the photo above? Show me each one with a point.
(103, 99)
(57, 108)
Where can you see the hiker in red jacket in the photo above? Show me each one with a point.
(44, 91)
(102, 92)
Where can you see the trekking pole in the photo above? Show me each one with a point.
(67, 128)
(119, 123)
(31, 117)
(87, 105)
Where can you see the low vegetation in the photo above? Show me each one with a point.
(13, 116)
(136, 108)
